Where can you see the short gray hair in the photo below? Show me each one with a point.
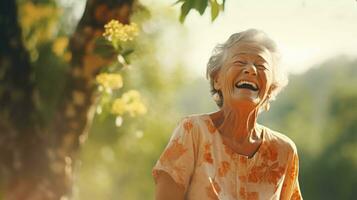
(219, 53)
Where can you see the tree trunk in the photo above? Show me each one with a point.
(36, 161)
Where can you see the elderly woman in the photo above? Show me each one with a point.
(227, 155)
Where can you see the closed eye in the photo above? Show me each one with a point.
(238, 62)
(261, 67)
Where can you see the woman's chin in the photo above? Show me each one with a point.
(242, 98)
(246, 95)
(246, 100)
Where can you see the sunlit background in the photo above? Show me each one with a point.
(307, 32)
(317, 110)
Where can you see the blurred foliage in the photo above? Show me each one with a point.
(318, 111)
(47, 44)
(38, 22)
(115, 142)
(117, 159)
(200, 6)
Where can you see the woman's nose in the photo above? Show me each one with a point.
(250, 69)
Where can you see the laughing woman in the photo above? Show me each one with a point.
(227, 155)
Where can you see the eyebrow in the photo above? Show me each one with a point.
(258, 56)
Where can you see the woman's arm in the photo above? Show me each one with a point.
(291, 188)
(175, 166)
(167, 188)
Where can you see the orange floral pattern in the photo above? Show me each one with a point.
(207, 155)
(270, 152)
(274, 167)
(187, 124)
(242, 178)
(229, 151)
(293, 171)
(243, 160)
(174, 151)
(269, 170)
(223, 169)
(211, 128)
(252, 196)
(213, 190)
(244, 194)
(266, 173)
(296, 194)
(290, 189)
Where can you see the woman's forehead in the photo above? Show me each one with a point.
(250, 48)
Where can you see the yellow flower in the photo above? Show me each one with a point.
(131, 103)
(136, 108)
(116, 31)
(32, 13)
(110, 81)
(59, 46)
(118, 106)
(131, 95)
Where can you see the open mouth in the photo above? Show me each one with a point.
(247, 85)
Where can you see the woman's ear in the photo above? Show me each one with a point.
(272, 88)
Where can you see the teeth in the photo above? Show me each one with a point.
(247, 82)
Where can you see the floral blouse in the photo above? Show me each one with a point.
(198, 160)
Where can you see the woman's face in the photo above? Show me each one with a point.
(246, 76)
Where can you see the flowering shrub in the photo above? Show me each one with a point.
(130, 102)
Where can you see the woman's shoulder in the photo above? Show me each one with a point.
(199, 124)
(195, 119)
(195, 116)
(280, 139)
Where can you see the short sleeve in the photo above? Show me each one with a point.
(178, 157)
(291, 188)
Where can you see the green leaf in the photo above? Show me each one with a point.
(101, 41)
(127, 52)
(214, 9)
(178, 1)
(185, 9)
(104, 48)
(200, 5)
(126, 58)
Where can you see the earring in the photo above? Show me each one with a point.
(216, 97)
(267, 106)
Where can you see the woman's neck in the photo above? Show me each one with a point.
(237, 124)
